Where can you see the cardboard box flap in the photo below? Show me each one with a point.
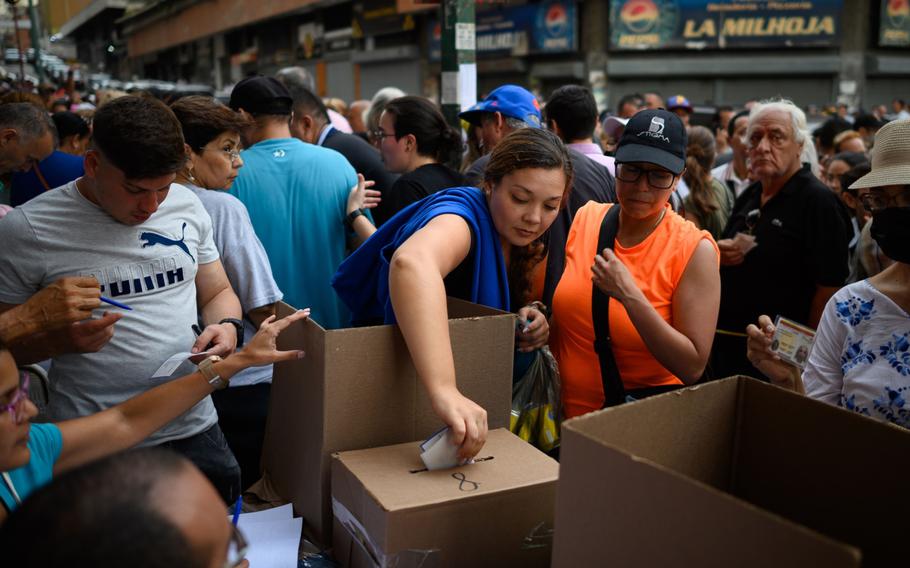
(398, 480)
(460, 309)
(830, 469)
(287, 454)
(696, 440)
(642, 515)
(357, 388)
(692, 436)
(457, 309)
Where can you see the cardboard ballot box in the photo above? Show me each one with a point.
(357, 388)
(731, 473)
(391, 512)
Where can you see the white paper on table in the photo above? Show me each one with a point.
(168, 367)
(438, 451)
(283, 513)
(272, 544)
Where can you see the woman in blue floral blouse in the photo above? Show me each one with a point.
(861, 356)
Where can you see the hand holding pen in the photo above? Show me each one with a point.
(66, 301)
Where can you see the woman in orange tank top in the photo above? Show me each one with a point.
(662, 277)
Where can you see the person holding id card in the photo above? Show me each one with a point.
(860, 359)
(784, 250)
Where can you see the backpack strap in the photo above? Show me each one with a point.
(614, 392)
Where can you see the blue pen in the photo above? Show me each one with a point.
(237, 510)
(115, 303)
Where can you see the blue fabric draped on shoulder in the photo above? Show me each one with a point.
(362, 280)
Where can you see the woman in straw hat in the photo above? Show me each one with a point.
(861, 357)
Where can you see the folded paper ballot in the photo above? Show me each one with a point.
(438, 451)
(168, 367)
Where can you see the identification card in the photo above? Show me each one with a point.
(792, 342)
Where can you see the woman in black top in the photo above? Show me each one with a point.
(416, 141)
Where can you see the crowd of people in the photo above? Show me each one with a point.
(646, 251)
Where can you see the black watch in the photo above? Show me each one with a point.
(349, 218)
(239, 326)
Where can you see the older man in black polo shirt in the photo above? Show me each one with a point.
(801, 236)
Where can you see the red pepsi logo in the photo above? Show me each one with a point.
(556, 20)
(639, 16)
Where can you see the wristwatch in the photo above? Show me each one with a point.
(237, 324)
(206, 367)
(349, 218)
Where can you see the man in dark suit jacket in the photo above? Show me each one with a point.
(311, 124)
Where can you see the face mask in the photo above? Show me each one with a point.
(891, 230)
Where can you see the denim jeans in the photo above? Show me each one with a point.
(209, 451)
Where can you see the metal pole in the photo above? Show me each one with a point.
(459, 67)
(36, 40)
(12, 4)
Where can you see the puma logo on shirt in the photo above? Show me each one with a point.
(151, 239)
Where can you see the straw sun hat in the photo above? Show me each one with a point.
(890, 157)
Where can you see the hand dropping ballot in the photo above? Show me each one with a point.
(792, 342)
(438, 451)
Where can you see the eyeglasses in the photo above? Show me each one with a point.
(16, 406)
(877, 199)
(775, 138)
(380, 135)
(236, 549)
(657, 179)
(232, 155)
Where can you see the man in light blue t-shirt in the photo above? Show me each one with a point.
(296, 195)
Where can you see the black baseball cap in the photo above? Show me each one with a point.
(261, 95)
(868, 122)
(69, 124)
(654, 136)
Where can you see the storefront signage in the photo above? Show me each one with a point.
(694, 24)
(894, 23)
(502, 31)
(310, 40)
(380, 17)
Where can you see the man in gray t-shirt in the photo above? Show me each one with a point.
(149, 245)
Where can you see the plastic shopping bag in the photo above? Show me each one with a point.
(536, 405)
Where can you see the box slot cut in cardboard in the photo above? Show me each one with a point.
(497, 512)
(357, 388)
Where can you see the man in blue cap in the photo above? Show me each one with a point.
(504, 110)
(681, 107)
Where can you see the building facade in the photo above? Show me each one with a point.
(813, 51)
